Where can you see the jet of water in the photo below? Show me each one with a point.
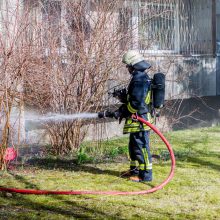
(61, 117)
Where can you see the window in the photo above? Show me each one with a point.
(172, 26)
(51, 14)
(125, 16)
(156, 26)
(195, 27)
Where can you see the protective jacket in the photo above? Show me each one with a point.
(138, 98)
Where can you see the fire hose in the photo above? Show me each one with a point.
(91, 192)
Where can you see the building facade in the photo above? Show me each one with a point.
(179, 37)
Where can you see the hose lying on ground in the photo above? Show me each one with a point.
(91, 192)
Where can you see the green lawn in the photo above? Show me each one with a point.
(194, 192)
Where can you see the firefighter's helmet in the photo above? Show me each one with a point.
(132, 57)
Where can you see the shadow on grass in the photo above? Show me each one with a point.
(21, 179)
(21, 205)
(69, 165)
(204, 163)
(26, 207)
(30, 206)
(195, 149)
(59, 207)
(199, 157)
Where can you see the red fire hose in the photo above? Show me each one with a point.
(86, 192)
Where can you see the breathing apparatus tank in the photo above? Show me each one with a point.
(158, 90)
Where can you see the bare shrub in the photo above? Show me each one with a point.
(73, 63)
(14, 58)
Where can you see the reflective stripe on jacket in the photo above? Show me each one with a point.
(132, 126)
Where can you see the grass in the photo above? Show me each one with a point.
(192, 194)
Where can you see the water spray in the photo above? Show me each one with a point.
(61, 117)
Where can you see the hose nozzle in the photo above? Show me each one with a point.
(107, 114)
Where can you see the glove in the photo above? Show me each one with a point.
(109, 114)
(120, 94)
(122, 112)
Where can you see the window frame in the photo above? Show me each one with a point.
(136, 45)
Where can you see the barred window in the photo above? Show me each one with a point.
(157, 26)
(175, 26)
(169, 26)
(125, 16)
(195, 27)
(51, 14)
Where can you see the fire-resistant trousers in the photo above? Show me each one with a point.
(139, 150)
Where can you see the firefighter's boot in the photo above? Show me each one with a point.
(130, 173)
(144, 176)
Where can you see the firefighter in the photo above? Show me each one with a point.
(138, 102)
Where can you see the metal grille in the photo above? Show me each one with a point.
(195, 27)
(157, 26)
(175, 26)
(51, 14)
